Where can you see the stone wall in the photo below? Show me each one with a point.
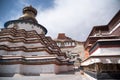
(37, 69)
(33, 69)
(26, 69)
(10, 68)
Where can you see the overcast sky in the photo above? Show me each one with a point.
(75, 18)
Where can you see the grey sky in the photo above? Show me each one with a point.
(77, 17)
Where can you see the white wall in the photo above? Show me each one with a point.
(29, 45)
(22, 53)
(34, 69)
(38, 53)
(106, 51)
(109, 51)
(104, 60)
(37, 69)
(10, 68)
(3, 52)
(28, 27)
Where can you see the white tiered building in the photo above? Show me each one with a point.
(25, 50)
(103, 47)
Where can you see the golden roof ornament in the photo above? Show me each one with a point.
(30, 9)
(29, 14)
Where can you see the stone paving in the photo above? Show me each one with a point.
(62, 76)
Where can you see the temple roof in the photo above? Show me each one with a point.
(63, 37)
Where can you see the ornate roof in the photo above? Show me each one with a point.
(63, 37)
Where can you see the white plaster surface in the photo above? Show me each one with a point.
(38, 53)
(104, 60)
(28, 27)
(3, 52)
(29, 45)
(49, 68)
(110, 52)
(49, 77)
(106, 51)
(22, 53)
(2, 36)
(17, 37)
(10, 68)
(34, 69)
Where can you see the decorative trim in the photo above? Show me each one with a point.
(24, 21)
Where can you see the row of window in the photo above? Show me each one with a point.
(66, 43)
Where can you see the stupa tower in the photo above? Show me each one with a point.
(27, 21)
(25, 50)
(29, 14)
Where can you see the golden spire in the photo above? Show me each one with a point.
(29, 14)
